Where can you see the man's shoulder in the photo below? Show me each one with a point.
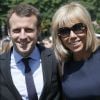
(44, 50)
(5, 55)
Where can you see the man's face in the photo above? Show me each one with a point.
(23, 32)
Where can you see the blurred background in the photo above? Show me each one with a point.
(47, 9)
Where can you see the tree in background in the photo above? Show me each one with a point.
(47, 9)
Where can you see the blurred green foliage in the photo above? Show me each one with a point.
(48, 8)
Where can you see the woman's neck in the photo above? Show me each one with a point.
(81, 55)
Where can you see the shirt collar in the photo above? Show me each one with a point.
(35, 55)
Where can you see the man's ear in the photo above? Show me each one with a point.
(9, 33)
(39, 32)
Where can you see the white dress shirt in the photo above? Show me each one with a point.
(18, 76)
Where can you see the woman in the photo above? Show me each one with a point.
(78, 50)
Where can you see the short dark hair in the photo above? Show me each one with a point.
(24, 10)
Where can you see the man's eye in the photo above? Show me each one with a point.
(29, 30)
(16, 30)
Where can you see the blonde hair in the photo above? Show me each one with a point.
(6, 44)
(64, 16)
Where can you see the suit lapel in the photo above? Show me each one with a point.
(46, 63)
(46, 67)
(5, 70)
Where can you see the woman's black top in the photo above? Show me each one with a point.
(81, 79)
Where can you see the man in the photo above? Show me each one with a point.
(23, 29)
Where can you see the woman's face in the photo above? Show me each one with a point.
(73, 36)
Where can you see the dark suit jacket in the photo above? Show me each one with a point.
(52, 87)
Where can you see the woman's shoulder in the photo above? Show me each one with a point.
(96, 54)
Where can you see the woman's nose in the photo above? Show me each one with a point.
(73, 34)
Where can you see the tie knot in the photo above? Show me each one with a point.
(26, 64)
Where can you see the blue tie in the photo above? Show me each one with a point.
(29, 80)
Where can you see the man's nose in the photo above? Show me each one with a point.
(23, 34)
